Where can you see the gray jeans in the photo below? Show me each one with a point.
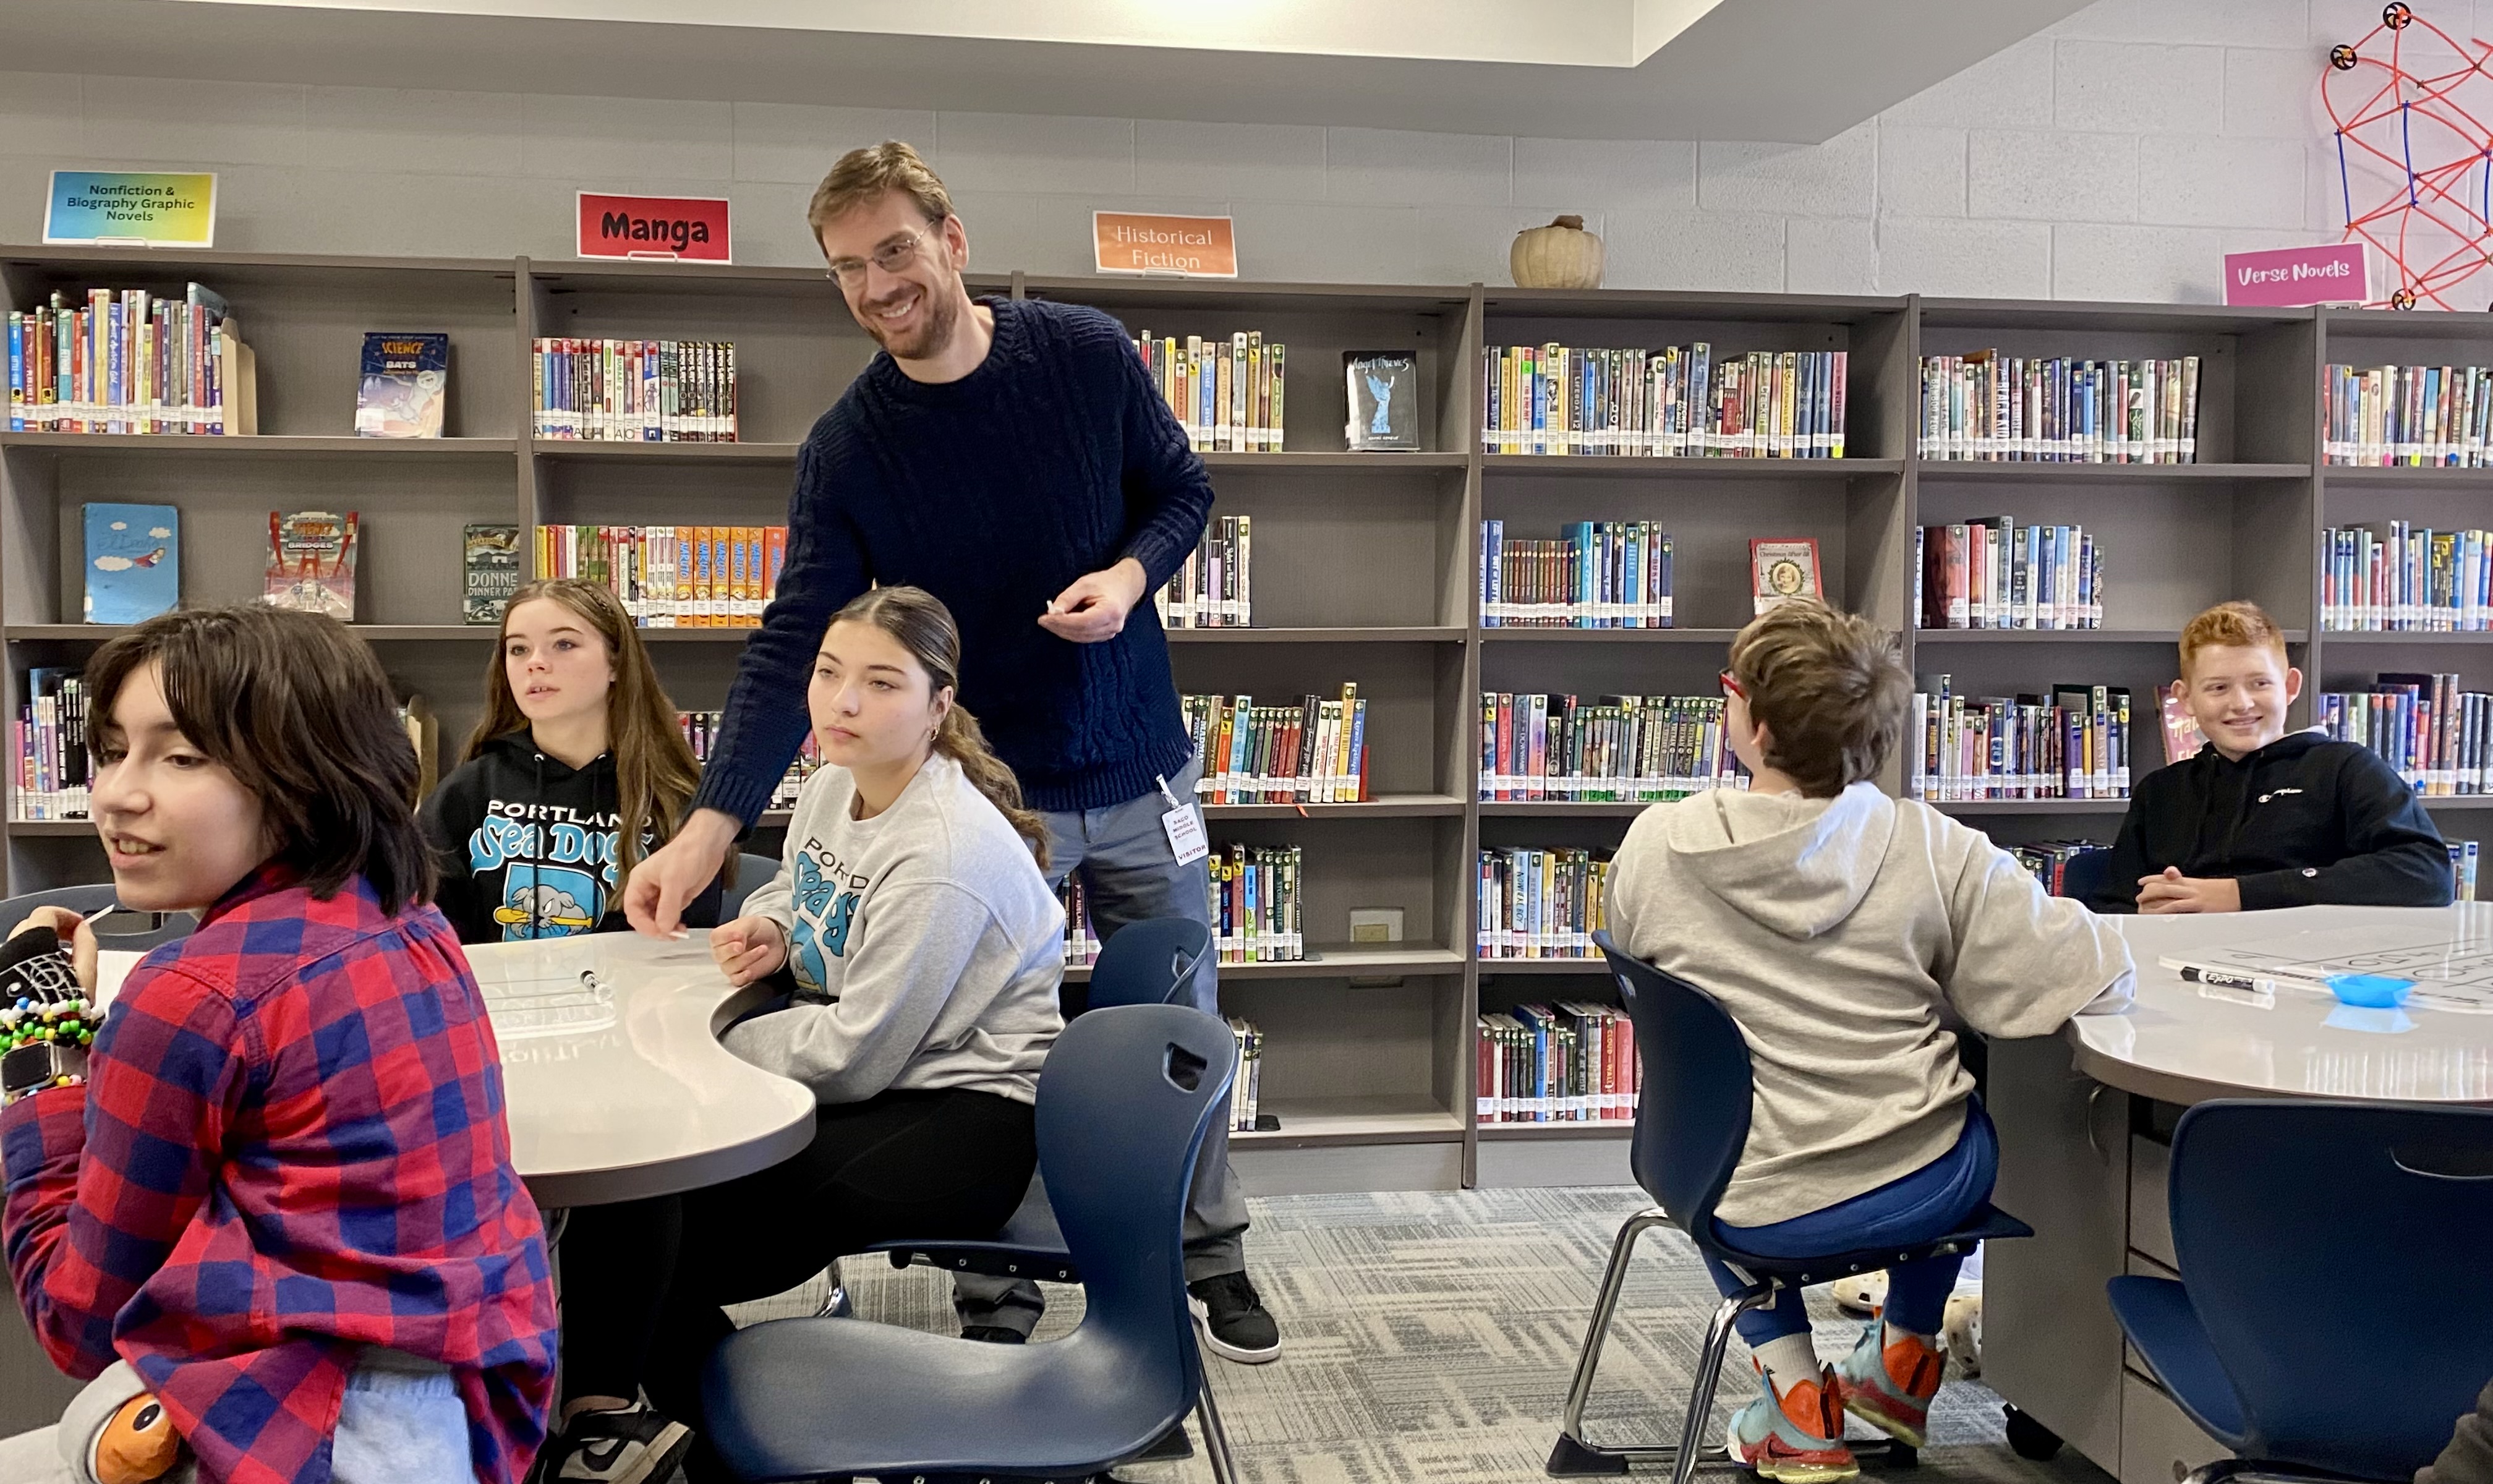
(1129, 876)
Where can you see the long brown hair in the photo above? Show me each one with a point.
(297, 707)
(654, 772)
(918, 621)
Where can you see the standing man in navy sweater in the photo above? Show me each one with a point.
(1013, 458)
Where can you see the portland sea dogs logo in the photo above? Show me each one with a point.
(825, 908)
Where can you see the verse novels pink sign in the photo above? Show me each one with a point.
(2293, 276)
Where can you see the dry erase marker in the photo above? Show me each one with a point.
(2241, 988)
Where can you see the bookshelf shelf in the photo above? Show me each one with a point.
(1319, 1123)
(1447, 633)
(1704, 636)
(2030, 805)
(2456, 800)
(1534, 1132)
(2020, 471)
(1391, 806)
(1291, 460)
(1630, 467)
(585, 451)
(265, 445)
(377, 633)
(1372, 558)
(1490, 966)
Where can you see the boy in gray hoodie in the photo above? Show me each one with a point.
(1837, 924)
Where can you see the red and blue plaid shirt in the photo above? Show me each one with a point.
(292, 1145)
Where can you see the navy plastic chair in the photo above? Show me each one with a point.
(161, 928)
(1143, 963)
(752, 873)
(2298, 1224)
(1692, 1122)
(1123, 1108)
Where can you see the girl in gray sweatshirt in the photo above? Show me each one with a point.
(923, 950)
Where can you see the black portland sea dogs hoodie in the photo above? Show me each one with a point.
(2302, 820)
(527, 850)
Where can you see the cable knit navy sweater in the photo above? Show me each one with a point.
(1056, 457)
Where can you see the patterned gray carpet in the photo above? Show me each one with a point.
(1431, 1337)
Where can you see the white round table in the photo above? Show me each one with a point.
(616, 1086)
(2181, 1044)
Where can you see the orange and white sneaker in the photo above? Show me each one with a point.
(1889, 1381)
(1796, 1437)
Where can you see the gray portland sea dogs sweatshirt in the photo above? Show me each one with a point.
(1835, 931)
(926, 947)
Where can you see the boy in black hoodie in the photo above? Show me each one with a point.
(2260, 818)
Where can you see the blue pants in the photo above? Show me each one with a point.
(1923, 1206)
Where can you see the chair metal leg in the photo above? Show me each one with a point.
(1215, 1436)
(1574, 1457)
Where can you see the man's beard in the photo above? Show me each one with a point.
(939, 316)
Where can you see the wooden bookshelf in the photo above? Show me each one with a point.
(1367, 569)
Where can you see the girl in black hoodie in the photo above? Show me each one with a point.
(578, 770)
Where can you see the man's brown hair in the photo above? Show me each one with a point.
(862, 176)
(297, 707)
(1829, 689)
(2234, 625)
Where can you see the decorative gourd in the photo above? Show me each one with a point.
(1559, 256)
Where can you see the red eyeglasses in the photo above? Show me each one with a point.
(1732, 685)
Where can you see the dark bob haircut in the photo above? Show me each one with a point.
(297, 707)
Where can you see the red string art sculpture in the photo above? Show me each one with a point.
(2400, 102)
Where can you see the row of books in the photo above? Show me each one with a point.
(634, 391)
(1259, 903)
(1557, 1063)
(1247, 1087)
(1601, 574)
(2411, 579)
(1081, 938)
(700, 729)
(673, 576)
(2438, 737)
(1312, 751)
(2051, 862)
(1995, 573)
(1541, 903)
(1213, 588)
(129, 361)
(47, 745)
(1621, 748)
(1226, 393)
(2072, 743)
(2384, 415)
(1993, 406)
(1675, 402)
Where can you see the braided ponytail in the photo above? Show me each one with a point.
(918, 622)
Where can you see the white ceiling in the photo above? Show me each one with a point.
(1772, 69)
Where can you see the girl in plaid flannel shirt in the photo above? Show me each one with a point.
(280, 1204)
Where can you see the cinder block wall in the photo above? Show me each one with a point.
(2116, 155)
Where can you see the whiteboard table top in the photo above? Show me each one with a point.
(2181, 1044)
(618, 1089)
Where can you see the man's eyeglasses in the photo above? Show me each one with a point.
(891, 258)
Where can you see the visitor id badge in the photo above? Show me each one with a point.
(1184, 830)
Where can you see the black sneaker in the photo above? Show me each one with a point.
(992, 1334)
(632, 1446)
(1235, 1325)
